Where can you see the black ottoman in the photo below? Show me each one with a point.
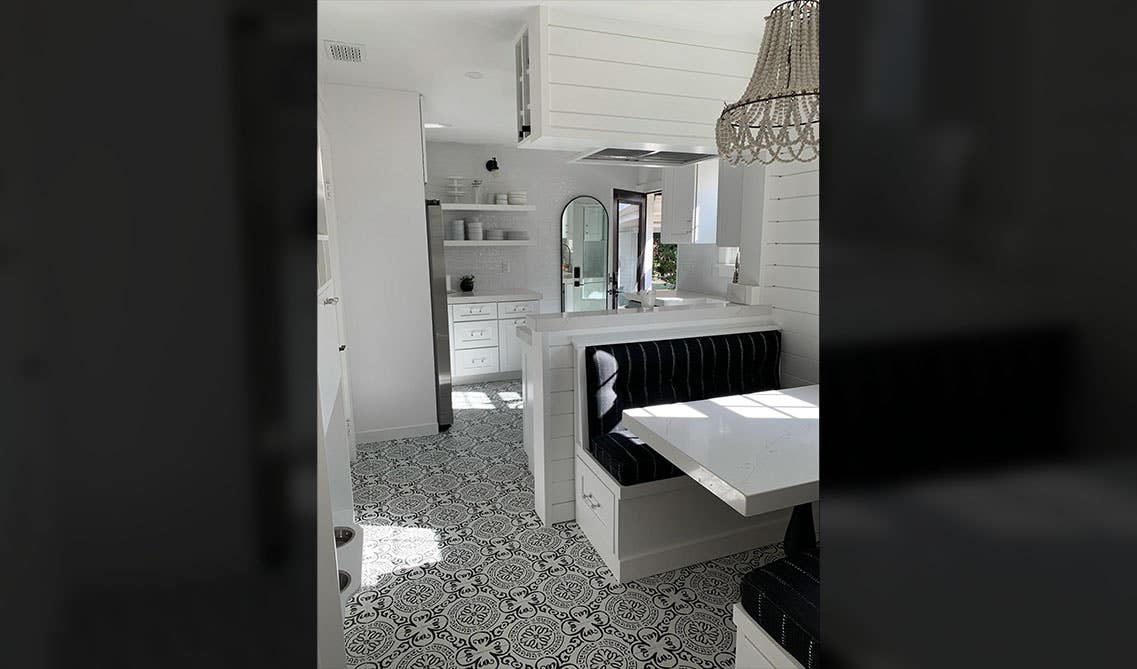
(784, 596)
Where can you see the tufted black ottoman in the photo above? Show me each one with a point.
(783, 597)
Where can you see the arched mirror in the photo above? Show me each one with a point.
(584, 255)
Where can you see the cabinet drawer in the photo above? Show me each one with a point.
(482, 311)
(599, 534)
(505, 309)
(479, 334)
(596, 496)
(475, 361)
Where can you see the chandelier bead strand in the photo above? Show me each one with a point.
(776, 119)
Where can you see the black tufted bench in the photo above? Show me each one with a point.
(638, 374)
(783, 597)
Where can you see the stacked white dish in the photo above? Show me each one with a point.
(495, 235)
(474, 230)
(501, 198)
(454, 188)
(517, 197)
(457, 229)
(517, 234)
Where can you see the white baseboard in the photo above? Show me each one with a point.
(562, 511)
(370, 436)
(485, 378)
(769, 530)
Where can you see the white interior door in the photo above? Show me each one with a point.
(329, 261)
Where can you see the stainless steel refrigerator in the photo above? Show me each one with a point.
(439, 320)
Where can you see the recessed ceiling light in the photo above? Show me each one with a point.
(431, 124)
(474, 75)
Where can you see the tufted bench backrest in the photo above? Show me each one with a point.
(637, 374)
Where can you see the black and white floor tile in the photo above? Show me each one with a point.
(458, 571)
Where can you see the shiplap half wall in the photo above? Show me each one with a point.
(606, 79)
(789, 276)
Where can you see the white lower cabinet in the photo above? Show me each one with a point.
(475, 361)
(509, 348)
(483, 338)
(479, 334)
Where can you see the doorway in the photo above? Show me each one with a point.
(584, 255)
(630, 245)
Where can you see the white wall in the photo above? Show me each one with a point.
(696, 270)
(376, 156)
(789, 276)
(550, 182)
(633, 84)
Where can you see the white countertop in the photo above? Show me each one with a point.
(672, 298)
(638, 316)
(756, 452)
(507, 295)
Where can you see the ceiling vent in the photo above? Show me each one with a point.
(344, 52)
(641, 158)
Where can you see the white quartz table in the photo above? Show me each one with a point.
(756, 452)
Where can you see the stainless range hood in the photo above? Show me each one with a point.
(640, 158)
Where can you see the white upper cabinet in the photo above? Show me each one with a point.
(677, 217)
(690, 204)
(586, 82)
(730, 196)
(740, 201)
(706, 202)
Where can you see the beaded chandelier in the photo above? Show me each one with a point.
(778, 115)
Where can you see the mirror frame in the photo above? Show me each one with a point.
(560, 235)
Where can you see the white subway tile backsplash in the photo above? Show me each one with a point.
(550, 182)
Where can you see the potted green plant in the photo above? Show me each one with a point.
(466, 283)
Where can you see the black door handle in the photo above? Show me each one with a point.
(343, 347)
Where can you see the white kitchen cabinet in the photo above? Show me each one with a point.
(740, 198)
(706, 202)
(483, 311)
(517, 309)
(690, 204)
(509, 349)
(479, 334)
(476, 361)
(483, 340)
(678, 212)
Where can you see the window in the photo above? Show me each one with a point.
(662, 257)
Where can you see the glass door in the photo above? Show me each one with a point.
(584, 255)
(630, 246)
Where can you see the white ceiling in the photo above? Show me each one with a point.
(429, 45)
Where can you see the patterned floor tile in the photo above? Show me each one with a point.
(459, 572)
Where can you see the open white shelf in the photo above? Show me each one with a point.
(461, 206)
(487, 242)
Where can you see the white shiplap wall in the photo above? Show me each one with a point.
(596, 82)
(789, 276)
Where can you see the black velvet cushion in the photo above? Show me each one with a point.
(628, 459)
(783, 597)
(637, 374)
